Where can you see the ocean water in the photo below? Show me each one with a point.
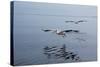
(30, 39)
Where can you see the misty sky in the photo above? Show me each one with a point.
(48, 9)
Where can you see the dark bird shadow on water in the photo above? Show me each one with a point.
(60, 53)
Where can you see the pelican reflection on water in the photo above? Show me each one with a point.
(57, 53)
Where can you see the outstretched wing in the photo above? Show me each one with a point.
(46, 30)
(68, 21)
(80, 21)
(70, 31)
(67, 31)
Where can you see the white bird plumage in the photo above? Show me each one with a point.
(60, 32)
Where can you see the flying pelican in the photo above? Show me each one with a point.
(76, 22)
(60, 32)
(57, 31)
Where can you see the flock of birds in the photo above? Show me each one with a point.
(63, 32)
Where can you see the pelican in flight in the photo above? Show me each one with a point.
(76, 22)
(60, 32)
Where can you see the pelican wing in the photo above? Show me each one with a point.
(69, 21)
(80, 21)
(67, 31)
(70, 31)
(46, 30)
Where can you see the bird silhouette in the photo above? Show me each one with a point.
(76, 22)
(60, 32)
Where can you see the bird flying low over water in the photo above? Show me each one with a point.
(76, 22)
(60, 32)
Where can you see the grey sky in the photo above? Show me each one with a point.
(48, 9)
